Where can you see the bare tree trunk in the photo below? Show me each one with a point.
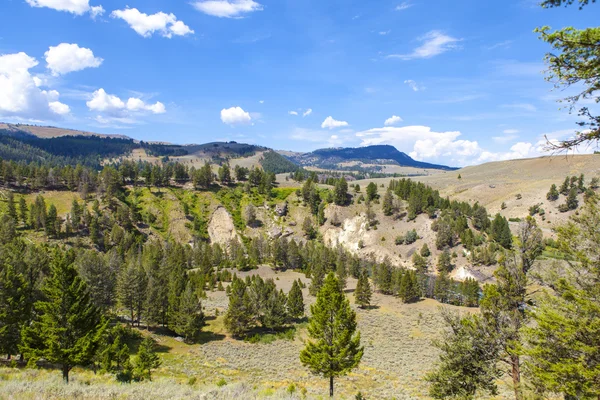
(65, 373)
(331, 386)
(516, 376)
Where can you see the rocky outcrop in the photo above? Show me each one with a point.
(221, 229)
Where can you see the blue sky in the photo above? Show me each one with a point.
(454, 82)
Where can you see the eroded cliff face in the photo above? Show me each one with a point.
(221, 229)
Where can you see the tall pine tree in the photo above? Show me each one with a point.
(68, 327)
(336, 347)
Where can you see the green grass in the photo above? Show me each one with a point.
(280, 194)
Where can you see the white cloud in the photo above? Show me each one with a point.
(66, 58)
(331, 123)
(146, 25)
(393, 120)
(96, 11)
(383, 33)
(434, 43)
(422, 143)
(293, 112)
(235, 116)
(77, 7)
(20, 95)
(261, 101)
(413, 85)
(119, 110)
(510, 131)
(59, 108)
(403, 6)
(307, 112)
(227, 8)
(518, 150)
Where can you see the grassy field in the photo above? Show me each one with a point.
(398, 353)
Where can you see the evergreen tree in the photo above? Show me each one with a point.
(371, 191)
(445, 261)
(410, 290)
(225, 174)
(189, 319)
(239, 312)
(146, 360)
(68, 327)
(11, 206)
(468, 360)
(441, 291)
(553, 194)
(341, 192)
(425, 250)
(23, 210)
(363, 292)
(388, 203)
(501, 231)
(295, 303)
(51, 221)
(563, 343)
(564, 188)
(15, 306)
(131, 289)
(336, 347)
(572, 201)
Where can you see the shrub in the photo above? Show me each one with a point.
(221, 382)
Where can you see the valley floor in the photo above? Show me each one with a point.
(398, 353)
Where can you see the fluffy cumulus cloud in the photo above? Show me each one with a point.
(331, 123)
(235, 116)
(393, 120)
(227, 8)
(66, 58)
(146, 25)
(20, 92)
(77, 7)
(293, 112)
(433, 44)
(115, 109)
(424, 144)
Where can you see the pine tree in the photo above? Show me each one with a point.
(553, 193)
(468, 360)
(409, 290)
(225, 174)
(564, 188)
(336, 347)
(146, 360)
(239, 312)
(15, 306)
(445, 261)
(572, 201)
(23, 210)
(51, 221)
(501, 231)
(131, 289)
(189, 319)
(68, 327)
(425, 250)
(371, 191)
(563, 343)
(11, 207)
(295, 303)
(388, 203)
(341, 192)
(363, 292)
(441, 290)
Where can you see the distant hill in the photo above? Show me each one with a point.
(379, 154)
(47, 132)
